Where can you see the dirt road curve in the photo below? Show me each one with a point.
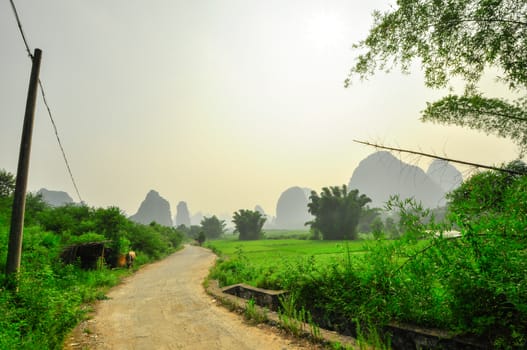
(164, 306)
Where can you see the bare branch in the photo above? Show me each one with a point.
(509, 171)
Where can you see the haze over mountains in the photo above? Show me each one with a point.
(55, 198)
(444, 174)
(379, 176)
(153, 208)
(182, 215)
(291, 209)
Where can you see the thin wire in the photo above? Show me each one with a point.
(46, 102)
(58, 139)
(20, 29)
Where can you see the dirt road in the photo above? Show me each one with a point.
(164, 306)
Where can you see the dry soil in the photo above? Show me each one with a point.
(164, 306)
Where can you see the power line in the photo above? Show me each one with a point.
(45, 101)
(58, 139)
(20, 29)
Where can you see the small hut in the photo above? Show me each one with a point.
(91, 255)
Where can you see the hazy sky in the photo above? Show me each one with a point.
(223, 104)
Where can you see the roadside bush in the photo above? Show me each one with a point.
(236, 270)
(149, 240)
(50, 296)
(472, 284)
(68, 219)
(325, 294)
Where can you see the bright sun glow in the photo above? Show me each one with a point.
(325, 30)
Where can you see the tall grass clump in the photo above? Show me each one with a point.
(253, 314)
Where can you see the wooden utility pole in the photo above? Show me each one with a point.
(19, 202)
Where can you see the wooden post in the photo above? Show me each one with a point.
(19, 202)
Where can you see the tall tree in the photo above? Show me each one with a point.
(337, 212)
(248, 224)
(212, 227)
(457, 38)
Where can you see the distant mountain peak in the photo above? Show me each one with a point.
(381, 175)
(444, 174)
(153, 208)
(153, 194)
(182, 214)
(55, 198)
(259, 209)
(291, 209)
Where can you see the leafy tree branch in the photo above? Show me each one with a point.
(456, 38)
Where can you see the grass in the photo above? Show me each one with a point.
(273, 264)
(253, 314)
(276, 264)
(261, 251)
(287, 234)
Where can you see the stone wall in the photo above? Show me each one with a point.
(262, 297)
(403, 337)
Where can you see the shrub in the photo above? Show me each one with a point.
(48, 303)
(473, 284)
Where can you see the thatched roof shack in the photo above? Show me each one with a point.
(91, 255)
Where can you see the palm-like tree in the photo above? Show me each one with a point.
(337, 212)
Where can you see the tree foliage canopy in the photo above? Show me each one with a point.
(7, 183)
(212, 227)
(456, 38)
(71, 221)
(248, 224)
(337, 212)
(485, 193)
(490, 115)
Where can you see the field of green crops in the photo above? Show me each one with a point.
(278, 263)
(420, 279)
(276, 251)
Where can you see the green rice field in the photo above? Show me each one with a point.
(276, 263)
(271, 251)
